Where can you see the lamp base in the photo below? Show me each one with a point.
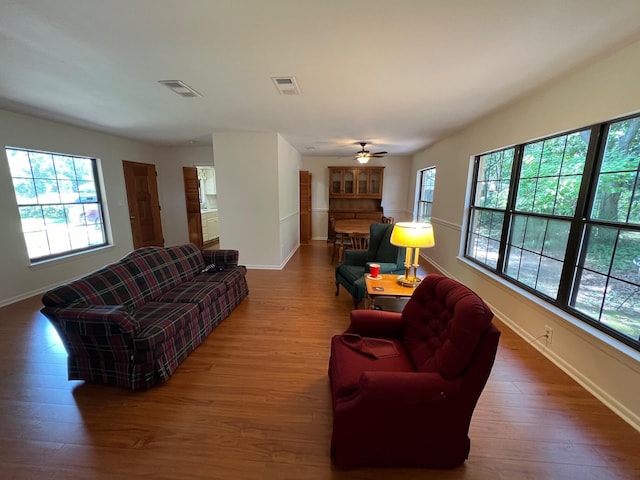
(409, 281)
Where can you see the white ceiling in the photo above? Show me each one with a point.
(397, 73)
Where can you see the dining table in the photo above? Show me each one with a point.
(353, 225)
(346, 228)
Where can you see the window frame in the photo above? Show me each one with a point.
(90, 221)
(580, 223)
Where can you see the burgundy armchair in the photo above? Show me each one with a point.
(404, 385)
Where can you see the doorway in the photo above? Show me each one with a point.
(202, 206)
(193, 202)
(144, 205)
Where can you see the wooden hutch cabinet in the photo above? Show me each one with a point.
(355, 192)
(355, 182)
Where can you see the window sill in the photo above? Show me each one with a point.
(72, 257)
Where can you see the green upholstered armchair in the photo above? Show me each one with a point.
(350, 273)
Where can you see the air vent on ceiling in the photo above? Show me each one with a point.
(181, 88)
(286, 85)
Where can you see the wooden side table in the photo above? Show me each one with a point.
(386, 286)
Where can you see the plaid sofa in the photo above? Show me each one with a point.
(132, 322)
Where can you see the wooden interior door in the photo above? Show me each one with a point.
(144, 205)
(192, 198)
(305, 207)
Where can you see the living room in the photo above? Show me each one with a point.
(599, 89)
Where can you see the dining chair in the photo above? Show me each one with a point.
(340, 241)
(359, 241)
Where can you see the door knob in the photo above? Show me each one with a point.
(132, 217)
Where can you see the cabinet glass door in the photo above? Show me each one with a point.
(348, 181)
(363, 183)
(336, 181)
(374, 186)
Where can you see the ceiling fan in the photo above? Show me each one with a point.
(363, 155)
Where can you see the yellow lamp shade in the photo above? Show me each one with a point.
(413, 234)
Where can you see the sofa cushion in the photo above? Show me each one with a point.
(347, 364)
(110, 285)
(202, 294)
(444, 321)
(160, 322)
(188, 259)
(227, 276)
(159, 269)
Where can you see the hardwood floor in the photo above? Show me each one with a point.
(253, 403)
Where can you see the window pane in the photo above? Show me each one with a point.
(600, 245)
(609, 287)
(626, 260)
(621, 310)
(567, 195)
(19, 164)
(42, 165)
(494, 173)
(534, 234)
(536, 252)
(551, 174)
(590, 289)
(64, 167)
(514, 257)
(622, 151)
(58, 202)
(556, 239)
(25, 191)
(549, 277)
(545, 195)
(526, 195)
(617, 191)
(484, 241)
(528, 271)
(614, 197)
(518, 228)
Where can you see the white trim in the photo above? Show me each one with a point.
(451, 225)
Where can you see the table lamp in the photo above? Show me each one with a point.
(412, 236)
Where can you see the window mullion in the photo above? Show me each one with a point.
(575, 252)
(508, 212)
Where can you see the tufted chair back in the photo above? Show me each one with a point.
(443, 323)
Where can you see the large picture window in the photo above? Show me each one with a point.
(561, 218)
(59, 202)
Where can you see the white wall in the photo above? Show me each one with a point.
(248, 182)
(595, 93)
(17, 278)
(288, 199)
(396, 199)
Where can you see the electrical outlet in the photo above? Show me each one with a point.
(548, 333)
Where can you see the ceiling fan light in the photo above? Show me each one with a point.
(362, 158)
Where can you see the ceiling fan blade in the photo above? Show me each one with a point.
(379, 153)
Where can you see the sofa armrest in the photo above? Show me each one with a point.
(376, 323)
(221, 258)
(94, 320)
